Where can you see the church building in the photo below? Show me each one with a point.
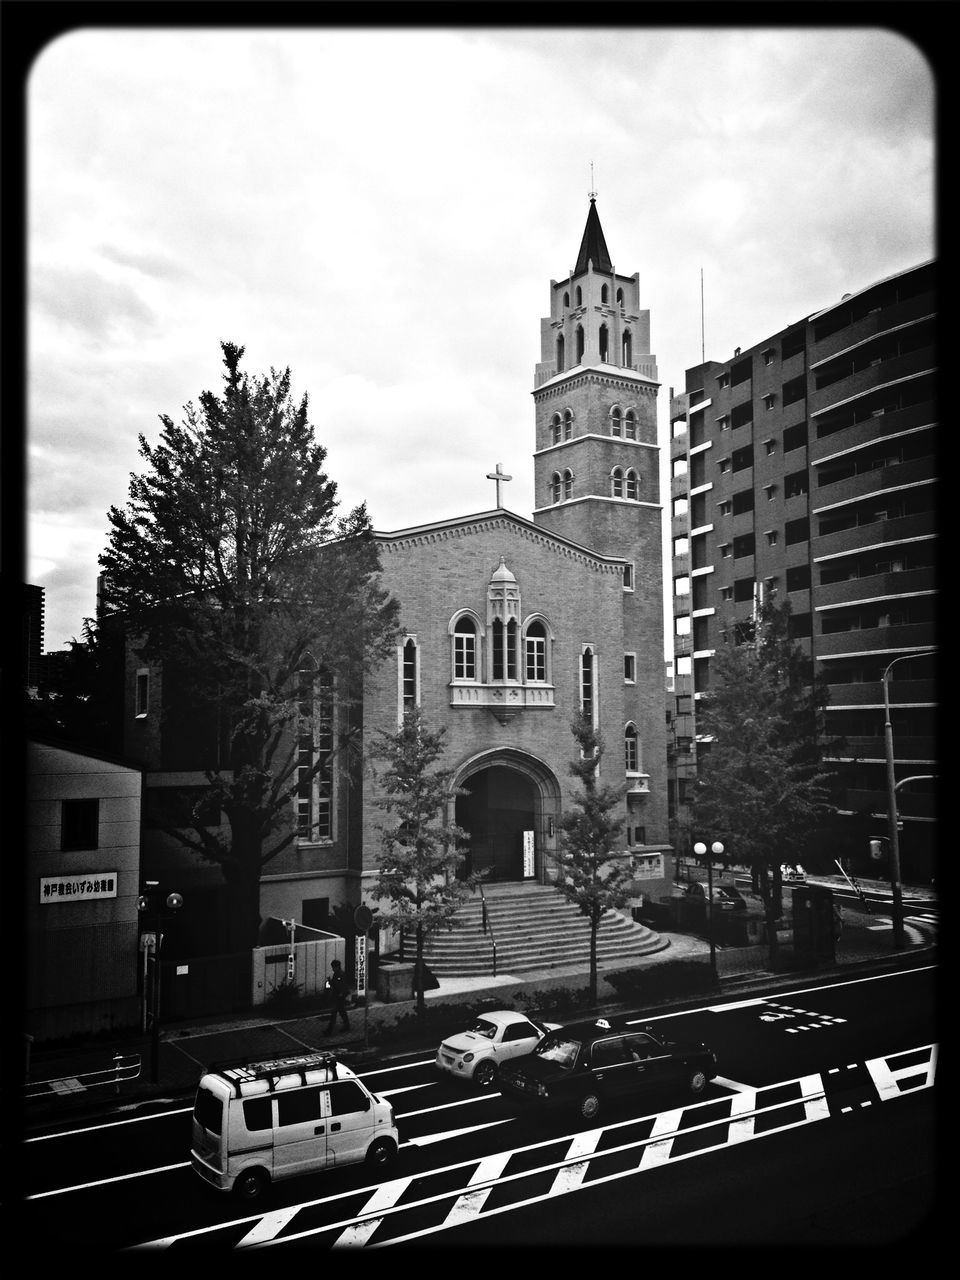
(511, 626)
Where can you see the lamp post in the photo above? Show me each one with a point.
(151, 904)
(893, 833)
(716, 851)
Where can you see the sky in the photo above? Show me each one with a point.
(382, 211)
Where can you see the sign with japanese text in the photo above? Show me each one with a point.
(361, 957)
(528, 850)
(78, 888)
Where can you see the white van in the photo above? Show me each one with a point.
(260, 1122)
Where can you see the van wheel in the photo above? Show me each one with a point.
(697, 1082)
(590, 1106)
(251, 1184)
(485, 1074)
(381, 1152)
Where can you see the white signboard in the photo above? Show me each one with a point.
(361, 944)
(528, 848)
(648, 867)
(79, 888)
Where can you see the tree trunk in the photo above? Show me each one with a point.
(594, 926)
(418, 970)
(242, 875)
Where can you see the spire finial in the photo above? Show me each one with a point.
(592, 193)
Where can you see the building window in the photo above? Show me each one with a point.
(725, 506)
(566, 302)
(315, 755)
(768, 355)
(619, 297)
(723, 422)
(680, 507)
(723, 464)
(798, 578)
(630, 668)
(681, 586)
(742, 414)
(556, 488)
(616, 482)
(743, 589)
(723, 380)
(726, 593)
(143, 692)
(743, 545)
(616, 424)
(770, 446)
(681, 546)
(465, 649)
(681, 625)
(795, 437)
(579, 296)
(628, 577)
(535, 649)
(797, 531)
(604, 336)
(769, 400)
(771, 491)
(604, 294)
(771, 536)
(626, 348)
(631, 749)
(679, 468)
(567, 485)
(79, 824)
(685, 665)
(587, 700)
(630, 425)
(556, 429)
(567, 424)
(632, 485)
(742, 502)
(504, 649)
(725, 549)
(796, 484)
(579, 336)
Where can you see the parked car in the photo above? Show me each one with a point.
(478, 1053)
(790, 872)
(585, 1065)
(725, 896)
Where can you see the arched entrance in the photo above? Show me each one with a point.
(511, 810)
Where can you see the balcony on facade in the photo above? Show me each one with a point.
(921, 635)
(854, 590)
(499, 697)
(879, 317)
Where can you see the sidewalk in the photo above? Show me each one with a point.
(62, 1083)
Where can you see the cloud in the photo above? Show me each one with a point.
(83, 300)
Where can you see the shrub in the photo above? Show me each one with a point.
(286, 997)
(662, 981)
(554, 1001)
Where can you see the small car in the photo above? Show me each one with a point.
(586, 1065)
(727, 897)
(477, 1053)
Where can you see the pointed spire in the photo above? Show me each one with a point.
(593, 246)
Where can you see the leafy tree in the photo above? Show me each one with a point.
(421, 853)
(77, 699)
(762, 789)
(230, 568)
(592, 873)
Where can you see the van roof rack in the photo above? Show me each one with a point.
(243, 1071)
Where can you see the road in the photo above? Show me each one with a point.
(824, 1111)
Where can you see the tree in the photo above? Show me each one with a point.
(232, 570)
(421, 852)
(762, 787)
(77, 700)
(593, 875)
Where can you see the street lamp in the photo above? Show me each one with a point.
(150, 904)
(892, 820)
(716, 850)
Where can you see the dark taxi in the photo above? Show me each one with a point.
(586, 1065)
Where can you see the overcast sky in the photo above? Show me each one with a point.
(383, 211)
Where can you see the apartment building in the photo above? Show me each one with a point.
(804, 469)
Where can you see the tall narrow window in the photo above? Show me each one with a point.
(604, 294)
(496, 630)
(512, 637)
(567, 424)
(315, 755)
(556, 487)
(556, 429)
(535, 646)
(627, 348)
(631, 749)
(619, 297)
(580, 346)
(632, 485)
(630, 425)
(616, 482)
(567, 484)
(587, 700)
(410, 674)
(616, 424)
(465, 650)
(143, 692)
(604, 337)
(560, 351)
(579, 296)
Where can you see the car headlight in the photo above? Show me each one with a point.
(468, 1057)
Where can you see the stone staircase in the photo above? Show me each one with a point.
(535, 927)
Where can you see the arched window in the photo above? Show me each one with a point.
(604, 341)
(632, 485)
(504, 649)
(604, 293)
(560, 354)
(579, 296)
(616, 424)
(567, 484)
(566, 299)
(631, 749)
(535, 653)
(410, 675)
(616, 482)
(619, 297)
(556, 428)
(630, 425)
(555, 487)
(567, 424)
(465, 649)
(579, 343)
(627, 348)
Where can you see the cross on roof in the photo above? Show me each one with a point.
(498, 476)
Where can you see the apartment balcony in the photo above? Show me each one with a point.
(875, 481)
(880, 321)
(852, 590)
(878, 428)
(679, 486)
(869, 693)
(918, 635)
(873, 376)
(907, 751)
(910, 804)
(874, 533)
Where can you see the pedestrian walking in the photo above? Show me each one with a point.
(337, 986)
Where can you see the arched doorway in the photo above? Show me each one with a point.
(511, 809)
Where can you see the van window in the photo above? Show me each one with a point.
(257, 1114)
(300, 1106)
(346, 1097)
(209, 1111)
